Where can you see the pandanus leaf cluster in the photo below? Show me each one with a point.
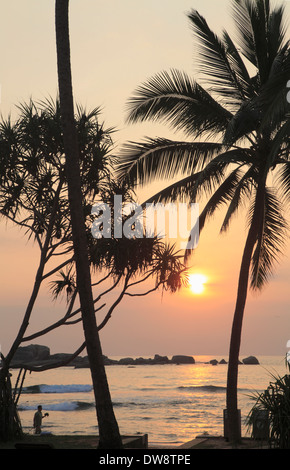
(273, 405)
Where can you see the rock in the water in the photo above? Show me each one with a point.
(160, 359)
(213, 362)
(250, 360)
(141, 361)
(182, 360)
(126, 361)
(33, 352)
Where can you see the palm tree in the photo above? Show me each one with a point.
(236, 141)
(108, 427)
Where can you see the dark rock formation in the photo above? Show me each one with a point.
(36, 355)
(32, 353)
(141, 361)
(183, 360)
(127, 361)
(160, 359)
(250, 360)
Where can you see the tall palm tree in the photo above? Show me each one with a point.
(108, 427)
(236, 140)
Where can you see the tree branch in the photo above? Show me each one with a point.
(57, 268)
(114, 305)
(144, 293)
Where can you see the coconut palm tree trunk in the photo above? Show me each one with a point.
(235, 342)
(108, 427)
(236, 333)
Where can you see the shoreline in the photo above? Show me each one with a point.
(149, 405)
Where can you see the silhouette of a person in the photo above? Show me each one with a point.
(37, 420)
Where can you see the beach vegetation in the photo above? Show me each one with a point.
(272, 410)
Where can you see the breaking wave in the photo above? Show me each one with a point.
(62, 406)
(71, 388)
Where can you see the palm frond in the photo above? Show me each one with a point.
(244, 122)
(272, 98)
(283, 179)
(180, 190)
(222, 187)
(214, 173)
(220, 62)
(175, 99)
(155, 158)
(243, 188)
(276, 31)
(242, 11)
(261, 33)
(210, 179)
(222, 195)
(238, 65)
(270, 241)
(279, 146)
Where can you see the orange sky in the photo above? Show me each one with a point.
(115, 47)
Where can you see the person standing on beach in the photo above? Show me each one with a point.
(37, 420)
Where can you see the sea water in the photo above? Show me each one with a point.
(171, 403)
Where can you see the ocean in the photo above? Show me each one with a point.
(171, 403)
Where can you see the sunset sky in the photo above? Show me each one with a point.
(116, 45)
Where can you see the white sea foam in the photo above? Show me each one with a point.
(62, 406)
(70, 388)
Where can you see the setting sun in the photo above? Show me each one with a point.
(196, 283)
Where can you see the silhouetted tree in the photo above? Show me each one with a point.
(234, 143)
(108, 427)
(33, 197)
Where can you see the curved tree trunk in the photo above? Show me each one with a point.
(108, 428)
(236, 333)
(232, 377)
